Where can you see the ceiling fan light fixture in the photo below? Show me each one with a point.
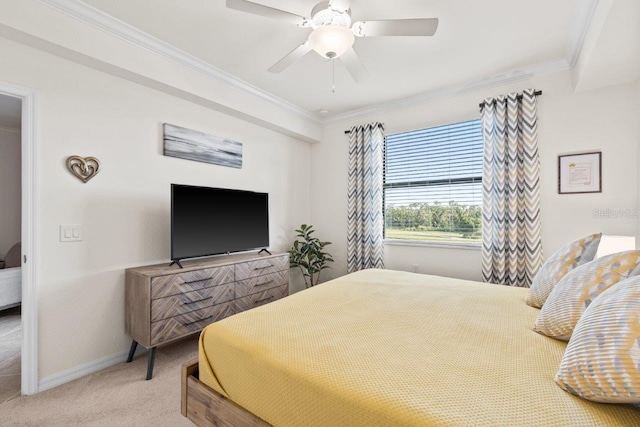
(324, 14)
(331, 41)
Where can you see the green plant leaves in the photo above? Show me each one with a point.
(308, 255)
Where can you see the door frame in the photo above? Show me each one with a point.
(29, 316)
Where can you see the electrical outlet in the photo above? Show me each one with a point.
(71, 233)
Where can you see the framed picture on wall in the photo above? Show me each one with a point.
(580, 173)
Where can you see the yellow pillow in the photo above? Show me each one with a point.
(573, 294)
(559, 264)
(602, 360)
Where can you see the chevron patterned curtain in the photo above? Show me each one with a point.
(511, 248)
(365, 233)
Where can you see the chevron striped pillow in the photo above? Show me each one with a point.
(577, 290)
(559, 264)
(602, 360)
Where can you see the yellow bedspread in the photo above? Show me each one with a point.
(386, 348)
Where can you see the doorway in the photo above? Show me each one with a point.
(10, 247)
(18, 282)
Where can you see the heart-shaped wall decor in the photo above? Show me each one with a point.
(84, 168)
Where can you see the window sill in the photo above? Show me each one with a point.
(439, 245)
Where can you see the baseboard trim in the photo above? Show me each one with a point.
(80, 371)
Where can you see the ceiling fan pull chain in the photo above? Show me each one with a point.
(333, 75)
(333, 32)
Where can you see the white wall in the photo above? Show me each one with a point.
(604, 119)
(125, 208)
(80, 33)
(10, 189)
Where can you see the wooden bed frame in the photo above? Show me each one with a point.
(205, 407)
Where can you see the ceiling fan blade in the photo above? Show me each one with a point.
(354, 65)
(341, 5)
(396, 27)
(266, 11)
(290, 58)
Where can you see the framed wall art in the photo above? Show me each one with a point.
(201, 147)
(580, 173)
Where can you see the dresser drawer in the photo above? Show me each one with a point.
(163, 308)
(176, 327)
(261, 298)
(260, 283)
(173, 284)
(260, 267)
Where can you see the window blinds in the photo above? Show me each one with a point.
(434, 172)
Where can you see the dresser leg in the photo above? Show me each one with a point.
(152, 357)
(132, 351)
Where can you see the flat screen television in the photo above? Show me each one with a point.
(210, 221)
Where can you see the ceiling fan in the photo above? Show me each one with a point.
(334, 33)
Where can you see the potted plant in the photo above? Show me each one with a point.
(308, 254)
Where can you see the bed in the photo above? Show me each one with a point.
(11, 278)
(381, 348)
(10, 287)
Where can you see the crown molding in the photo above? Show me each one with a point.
(581, 20)
(578, 31)
(107, 23)
(453, 90)
(580, 23)
(514, 76)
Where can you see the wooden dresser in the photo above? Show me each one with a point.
(164, 304)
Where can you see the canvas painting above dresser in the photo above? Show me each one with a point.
(164, 304)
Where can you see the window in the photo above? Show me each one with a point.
(433, 184)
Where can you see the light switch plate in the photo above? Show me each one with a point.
(71, 233)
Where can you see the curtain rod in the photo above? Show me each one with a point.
(519, 97)
(481, 105)
(348, 131)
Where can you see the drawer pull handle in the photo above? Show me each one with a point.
(263, 268)
(263, 300)
(196, 321)
(196, 281)
(264, 283)
(199, 300)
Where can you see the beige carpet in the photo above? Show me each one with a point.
(117, 396)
